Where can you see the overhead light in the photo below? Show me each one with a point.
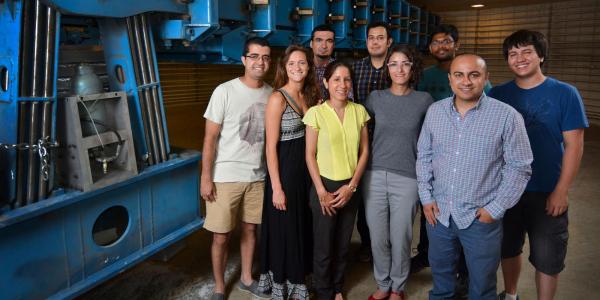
(477, 5)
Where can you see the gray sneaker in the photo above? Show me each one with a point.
(217, 296)
(502, 296)
(253, 289)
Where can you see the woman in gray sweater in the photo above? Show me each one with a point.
(390, 185)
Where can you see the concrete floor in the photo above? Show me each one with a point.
(188, 274)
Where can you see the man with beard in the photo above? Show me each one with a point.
(370, 73)
(443, 46)
(233, 169)
(322, 43)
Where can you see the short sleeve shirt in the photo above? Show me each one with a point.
(338, 142)
(548, 109)
(240, 110)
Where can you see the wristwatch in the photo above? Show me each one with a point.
(352, 188)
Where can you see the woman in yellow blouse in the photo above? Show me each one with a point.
(337, 150)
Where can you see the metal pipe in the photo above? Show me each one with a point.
(145, 95)
(48, 82)
(138, 78)
(139, 47)
(26, 48)
(154, 100)
(146, 98)
(39, 39)
(22, 138)
(130, 32)
(45, 132)
(33, 158)
(147, 48)
(151, 125)
(159, 124)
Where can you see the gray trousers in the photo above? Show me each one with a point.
(391, 204)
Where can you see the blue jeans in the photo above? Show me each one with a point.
(481, 243)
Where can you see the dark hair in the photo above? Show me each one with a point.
(334, 66)
(310, 90)
(388, 31)
(255, 41)
(322, 27)
(445, 29)
(413, 56)
(523, 38)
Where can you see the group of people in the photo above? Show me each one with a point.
(376, 138)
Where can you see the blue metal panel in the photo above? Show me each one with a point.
(362, 17)
(273, 20)
(50, 246)
(30, 250)
(233, 42)
(380, 10)
(399, 14)
(173, 30)
(340, 16)
(10, 26)
(233, 10)
(263, 18)
(414, 27)
(204, 19)
(283, 10)
(116, 8)
(311, 13)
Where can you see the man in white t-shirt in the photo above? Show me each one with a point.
(233, 168)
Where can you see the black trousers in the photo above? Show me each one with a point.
(331, 238)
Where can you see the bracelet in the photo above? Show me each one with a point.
(352, 188)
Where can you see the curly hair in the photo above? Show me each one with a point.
(414, 57)
(310, 90)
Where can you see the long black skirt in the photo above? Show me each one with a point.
(286, 236)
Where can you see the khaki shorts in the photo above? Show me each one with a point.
(221, 215)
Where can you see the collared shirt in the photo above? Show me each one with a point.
(338, 142)
(367, 78)
(481, 160)
(320, 70)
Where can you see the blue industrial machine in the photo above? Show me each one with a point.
(89, 184)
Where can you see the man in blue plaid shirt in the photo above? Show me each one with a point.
(370, 73)
(473, 163)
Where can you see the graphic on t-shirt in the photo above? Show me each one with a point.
(252, 126)
(533, 115)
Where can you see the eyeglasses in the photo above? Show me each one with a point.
(256, 57)
(395, 65)
(446, 42)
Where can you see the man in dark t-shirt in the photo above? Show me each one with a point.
(555, 120)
